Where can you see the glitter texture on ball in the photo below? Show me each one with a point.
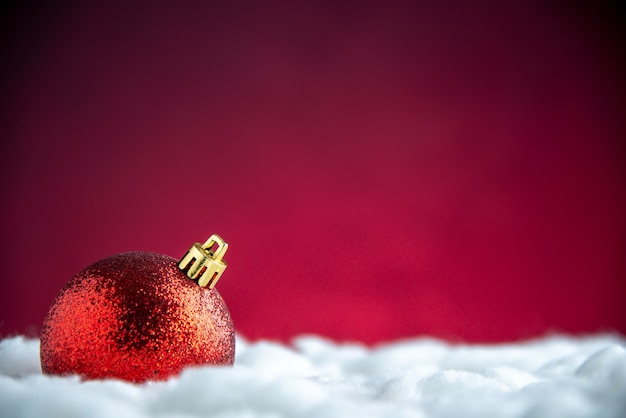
(135, 316)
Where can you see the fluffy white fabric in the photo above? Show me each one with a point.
(555, 376)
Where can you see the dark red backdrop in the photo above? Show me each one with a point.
(380, 169)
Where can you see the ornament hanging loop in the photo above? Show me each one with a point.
(215, 241)
(203, 263)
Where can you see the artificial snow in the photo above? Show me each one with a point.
(555, 376)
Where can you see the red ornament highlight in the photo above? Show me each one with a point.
(137, 316)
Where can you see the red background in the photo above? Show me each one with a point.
(379, 169)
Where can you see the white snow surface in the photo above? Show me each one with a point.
(554, 376)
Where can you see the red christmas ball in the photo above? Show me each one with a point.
(136, 316)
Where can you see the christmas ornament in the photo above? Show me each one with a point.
(141, 316)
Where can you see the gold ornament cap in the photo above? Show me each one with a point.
(203, 263)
